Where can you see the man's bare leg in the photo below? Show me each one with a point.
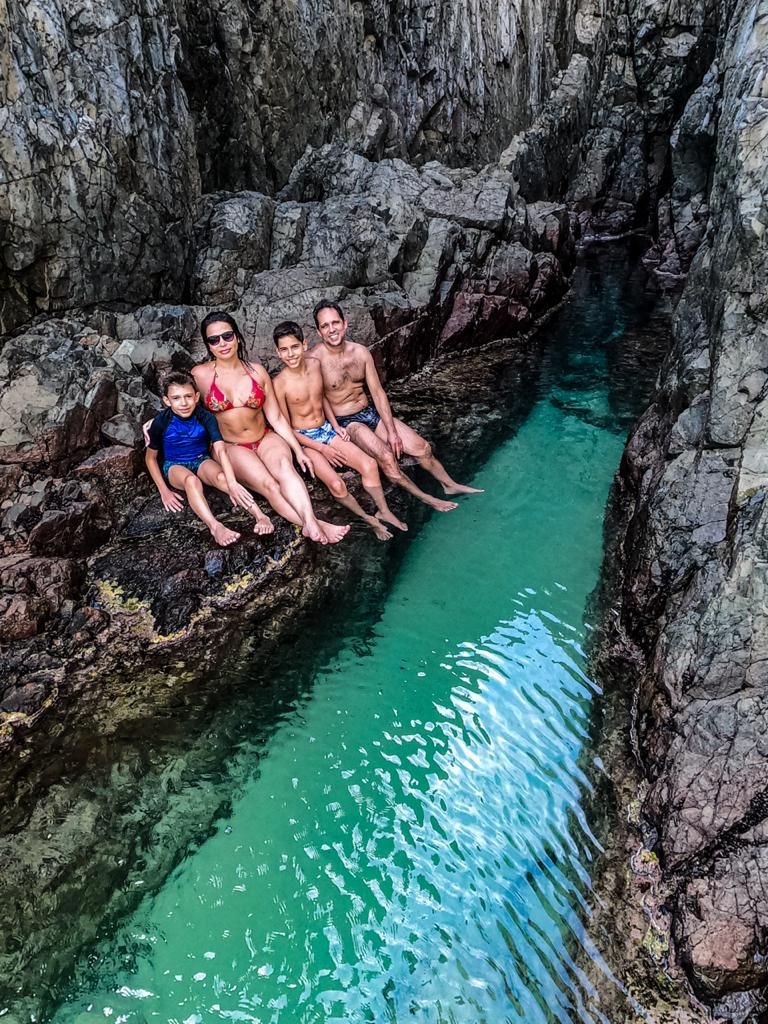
(371, 443)
(277, 457)
(368, 469)
(414, 444)
(324, 471)
(210, 473)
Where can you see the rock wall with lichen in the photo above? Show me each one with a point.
(694, 481)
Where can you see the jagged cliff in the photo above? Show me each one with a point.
(154, 163)
(693, 604)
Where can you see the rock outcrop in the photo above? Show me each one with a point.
(693, 609)
(115, 119)
(425, 260)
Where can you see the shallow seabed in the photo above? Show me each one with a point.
(408, 841)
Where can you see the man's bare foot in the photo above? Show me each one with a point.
(312, 531)
(333, 533)
(462, 489)
(391, 518)
(263, 524)
(439, 505)
(222, 535)
(379, 528)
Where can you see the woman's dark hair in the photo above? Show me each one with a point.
(179, 378)
(287, 329)
(325, 304)
(219, 317)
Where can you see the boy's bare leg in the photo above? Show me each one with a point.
(414, 444)
(211, 473)
(371, 443)
(277, 457)
(324, 471)
(184, 480)
(368, 469)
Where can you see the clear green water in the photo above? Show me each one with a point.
(409, 842)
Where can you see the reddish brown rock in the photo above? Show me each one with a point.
(114, 463)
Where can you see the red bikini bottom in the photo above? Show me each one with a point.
(253, 446)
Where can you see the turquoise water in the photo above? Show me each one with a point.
(409, 843)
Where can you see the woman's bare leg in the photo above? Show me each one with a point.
(278, 458)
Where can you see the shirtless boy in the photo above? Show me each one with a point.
(299, 391)
(348, 369)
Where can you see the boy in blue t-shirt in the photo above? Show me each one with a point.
(178, 454)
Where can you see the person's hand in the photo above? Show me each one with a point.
(343, 434)
(172, 502)
(395, 443)
(335, 458)
(305, 464)
(240, 497)
(145, 430)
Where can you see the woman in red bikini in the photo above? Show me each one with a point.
(262, 443)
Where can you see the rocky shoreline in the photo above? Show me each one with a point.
(159, 158)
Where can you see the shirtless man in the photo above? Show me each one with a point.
(348, 369)
(299, 391)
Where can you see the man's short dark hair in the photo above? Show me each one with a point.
(326, 304)
(180, 379)
(287, 329)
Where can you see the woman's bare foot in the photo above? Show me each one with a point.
(462, 489)
(223, 536)
(263, 524)
(333, 533)
(439, 505)
(391, 518)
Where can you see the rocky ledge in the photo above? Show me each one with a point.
(93, 574)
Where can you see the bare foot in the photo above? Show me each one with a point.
(439, 505)
(391, 518)
(333, 533)
(263, 524)
(222, 535)
(312, 531)
(462, 489)
(379, 528)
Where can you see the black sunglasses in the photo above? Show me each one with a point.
(214, 339)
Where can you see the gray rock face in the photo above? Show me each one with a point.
(115, 119)
(696, 579)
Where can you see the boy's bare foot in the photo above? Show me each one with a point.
(333, 533)
(462, 489)
(382, 533)
(263, 524)
(441, 506)
(223, 536)
(392, 519)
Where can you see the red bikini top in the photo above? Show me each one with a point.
(217, 401)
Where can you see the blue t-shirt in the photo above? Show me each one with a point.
(183, 440)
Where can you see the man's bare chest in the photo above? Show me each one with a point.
(343, 376)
